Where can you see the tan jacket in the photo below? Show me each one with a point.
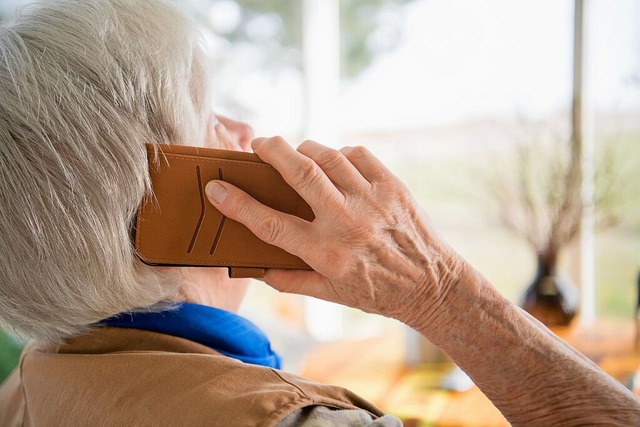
(132, 377)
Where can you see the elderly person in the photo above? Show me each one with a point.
(83, 85)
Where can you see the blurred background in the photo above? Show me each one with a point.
(487, 110)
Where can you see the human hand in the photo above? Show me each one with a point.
(370, 246)
(223, 132)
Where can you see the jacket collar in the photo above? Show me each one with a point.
(219, 330)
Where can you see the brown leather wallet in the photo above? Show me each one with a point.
(179, 227)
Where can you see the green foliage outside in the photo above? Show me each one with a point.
(359, 24)
(360, 27)
(10, 350)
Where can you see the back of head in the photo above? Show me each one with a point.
(83, 86)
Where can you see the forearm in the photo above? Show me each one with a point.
(372, 248)
(528, 373)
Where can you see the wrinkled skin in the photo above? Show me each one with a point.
(372, 247)
(376, 243)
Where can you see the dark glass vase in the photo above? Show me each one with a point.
(551, 298)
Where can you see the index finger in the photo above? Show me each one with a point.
(371, 168)
(299, 171)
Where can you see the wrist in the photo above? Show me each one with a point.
(441, 281)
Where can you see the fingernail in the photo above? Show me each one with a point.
(216, 192)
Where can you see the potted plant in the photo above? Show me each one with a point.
(538, 194)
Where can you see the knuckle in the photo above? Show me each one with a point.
(265, 225)
(278, 140)
(269, 228)
(237, 204)
(307, 172)
(329, 159)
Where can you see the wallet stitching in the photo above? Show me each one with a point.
(139, 223)
(203, 159)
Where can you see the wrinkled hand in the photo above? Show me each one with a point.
(370, 245)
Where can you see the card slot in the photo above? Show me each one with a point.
(181, 228)
(202, 210)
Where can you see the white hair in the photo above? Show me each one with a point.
(83, 86)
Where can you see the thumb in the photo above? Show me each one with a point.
(276, 228)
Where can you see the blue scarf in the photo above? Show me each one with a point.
(220, 330)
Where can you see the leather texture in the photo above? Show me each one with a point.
(179, 227)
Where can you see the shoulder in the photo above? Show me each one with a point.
(186, 387)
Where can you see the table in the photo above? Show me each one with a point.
(375, 369)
